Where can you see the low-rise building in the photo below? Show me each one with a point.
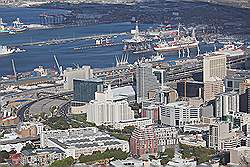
(137, 122)
(239, 156)
(41, 157)
(77, 141)
(192, 140)
(9, 121)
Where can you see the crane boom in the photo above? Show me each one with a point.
(58, 66)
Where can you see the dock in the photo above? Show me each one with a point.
(65, 40)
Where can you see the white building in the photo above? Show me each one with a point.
(196, 128)
(107, 109)
(85, 72)
(167, 137)
(226, 104)
(177, 161)
(135, 163)
(77, 141)
(137, 122)
(192, 140)
(179, 114)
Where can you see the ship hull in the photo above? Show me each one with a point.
(176, 47)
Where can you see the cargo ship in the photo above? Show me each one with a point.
(4, 50)
(232, 50)
(178, 43)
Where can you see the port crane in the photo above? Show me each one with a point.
(14, 68)
(60, 68)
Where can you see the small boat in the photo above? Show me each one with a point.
(4, 50)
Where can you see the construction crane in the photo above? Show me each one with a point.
(60, 69)
(14, 68)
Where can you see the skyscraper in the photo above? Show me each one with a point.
(145, 81)
(84, 89)
(214, 65)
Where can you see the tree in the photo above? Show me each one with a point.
(108, 154)
(67, 162)
(4, 155)
(167, 155)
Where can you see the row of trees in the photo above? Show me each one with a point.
(108, 154)
(201, 154)
(67, 162)
(120, 134)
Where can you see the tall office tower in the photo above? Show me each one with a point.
(245, 101)
(84, 89)
(70, 74)
(179, 114)
(145, 81)
(107, 109)
(226, 104)
(143, 141)
(212, 88)
(214, 65)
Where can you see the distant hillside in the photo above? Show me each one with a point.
(236, 3)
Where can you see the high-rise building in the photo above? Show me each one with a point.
(145, 81)
(107, 109)
(226, 104)
(190, 88)
(84, 89)
(214, 65)
(245, 101)
(143, 141)
(179, 114)
(70, 74)
(212, 88)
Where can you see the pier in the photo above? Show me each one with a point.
(65, 40)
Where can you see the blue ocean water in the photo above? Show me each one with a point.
(66, 55)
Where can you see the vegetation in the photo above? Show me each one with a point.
(122, 135)
(57, 123)
(67, 162)
(28, 146)
(4, 155)
(83, 119)
(75, 121)
(167, 155)
(200, 153)
(108, 154)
